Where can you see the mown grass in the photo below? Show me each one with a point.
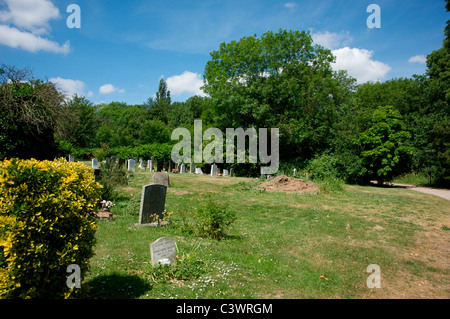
(281, 245)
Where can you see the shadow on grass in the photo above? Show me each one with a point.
(117, 286)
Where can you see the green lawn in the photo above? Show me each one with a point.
(281, 245)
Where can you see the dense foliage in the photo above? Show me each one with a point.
(47, 223)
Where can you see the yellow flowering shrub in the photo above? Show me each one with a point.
(46, 224)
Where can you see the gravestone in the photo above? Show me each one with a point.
(150, 165)
(163, 251)
(183, 169)
(153, 200)
(120, 162)
(213, 170)
(225, 172)
(131, 165)
(71, 158)
(295, 172)
(191, 168)
(141, 163)
(231, 172)
(161, 178)
(95, 163)
(198, 170)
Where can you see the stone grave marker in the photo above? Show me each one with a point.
(153, 200)
(225, 172)
(182, 169)
(198, 170)
(213, 170)
(161, 178)
(231, 172)
(191, 168)
(150, 165)
(163, 251)
(95, 163)
(131, 165)
(71, 158)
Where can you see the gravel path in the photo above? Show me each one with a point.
(444, 193)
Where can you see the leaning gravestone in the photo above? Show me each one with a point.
(161, 178)
(213, 170)
(95, 163)
(153, 200)
(163, 251)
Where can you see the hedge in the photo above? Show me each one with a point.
(47, 223)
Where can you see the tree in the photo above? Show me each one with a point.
(29, 113)
(383, 143)
(277, 80)
(160, 106)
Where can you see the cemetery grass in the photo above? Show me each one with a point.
(281, 245)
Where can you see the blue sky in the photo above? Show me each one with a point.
(123, 48)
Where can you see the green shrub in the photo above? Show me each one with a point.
(46, 213)
(111, 176)
(213, 220)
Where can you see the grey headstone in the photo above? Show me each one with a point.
(162, 249)
(131, 165)
(213, 170)
(198, 170)
(183, 169)
(225, 172)
(71, 158)
(295, 172)
(95, 163)
(150, 165)
(231, 172)
(153, 200)
(161, 178)
(192, 168)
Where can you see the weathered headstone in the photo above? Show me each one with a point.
(294, 172)
(183, 169)
(141, 163)
(150, 165)
(198, 170)
(225, 172)
(213, 170)
(231, 172)
(163, 251)
(161, 178)
(153, 200)
(71, 158)
(131, 165)
(95, 163)
(191, 168)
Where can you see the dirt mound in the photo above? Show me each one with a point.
(287, 184)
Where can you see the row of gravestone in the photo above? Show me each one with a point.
(131, 166)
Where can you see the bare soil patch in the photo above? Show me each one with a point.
(287, 184)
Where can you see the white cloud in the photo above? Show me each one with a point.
(359, 64)
(32, 15)
(15, 38)
(25, 22)
(109, 88)
(331, 40)
(290, 5)
(187, 82)
(422, 59)
(69, 86)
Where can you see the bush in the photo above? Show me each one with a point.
(111, 176)
(346, 167)
(46, 212)
(213, 219)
